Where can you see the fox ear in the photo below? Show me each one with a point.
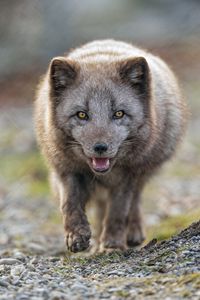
(63, 73)
(135, 71)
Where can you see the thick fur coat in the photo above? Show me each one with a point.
(107, 115)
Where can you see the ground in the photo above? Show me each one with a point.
(34, 263)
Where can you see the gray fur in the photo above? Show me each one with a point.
(101, 78)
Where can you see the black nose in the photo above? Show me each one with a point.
(100, 147)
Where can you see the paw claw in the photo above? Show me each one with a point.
(77, 242)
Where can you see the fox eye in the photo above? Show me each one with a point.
(118, 114)
(82, 115)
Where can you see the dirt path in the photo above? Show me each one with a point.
(37, 267)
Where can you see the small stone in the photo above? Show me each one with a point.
(55, 295)
(2, 268)
(24, 297)
(62, 284)
(47, 276)
(78, 286)
(19, 255)
(4, 239)
(36, 248)
(9, 261)
(35, 260)
(113, 272)
(114, 289)
(16, 282)
(16, 271)
(4, 283)
(54, 259)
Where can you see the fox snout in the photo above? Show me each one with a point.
(100, 148)
(100, 157)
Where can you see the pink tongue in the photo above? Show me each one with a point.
(100, 164)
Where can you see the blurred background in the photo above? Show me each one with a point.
(31, 33)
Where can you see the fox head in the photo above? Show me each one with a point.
(103, 109)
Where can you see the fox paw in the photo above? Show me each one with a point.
(111, 245)
(78, 240)
(135, 236)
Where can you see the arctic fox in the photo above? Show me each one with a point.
(107, 116)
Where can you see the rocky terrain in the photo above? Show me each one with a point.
(39, 269)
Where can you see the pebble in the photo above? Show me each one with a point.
(55, 295)
(2, 268)
(23, 297)
(9, 261)
(114, 289)
(78, 286)
(16, 271)
(54, 259)
(19, 255)
(4, 283)
(62, 284)
(113, 272)
(34, 260)
(36, 248)
(31, 267)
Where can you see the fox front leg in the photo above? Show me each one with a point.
(73, 196)
(114, 232)
(136, 234)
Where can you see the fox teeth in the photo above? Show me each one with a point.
(100, 164)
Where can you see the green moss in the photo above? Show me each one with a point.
(122, 293)
(7, 137)
(189, 278)
(192, 90)
(172, 225)
(55, 217)
(29, 168)
(81, 260)
(182, 169)
(107, 258)
(38, 188)
(61, 270)
(20, 165)
(170, 284)
(101, 259)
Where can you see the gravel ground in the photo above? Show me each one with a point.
(167, 270)
(33, 260)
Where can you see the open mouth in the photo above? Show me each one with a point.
(100, 164)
